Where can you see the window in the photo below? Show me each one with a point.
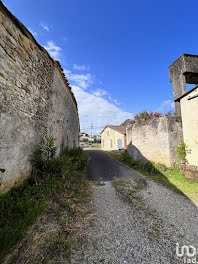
(111, 143)
(119, 143)
(103, 143)
(107, 133)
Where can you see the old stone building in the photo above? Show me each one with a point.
(113, 138)
(35, 100)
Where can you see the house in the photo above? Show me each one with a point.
(84, 137)
(113, 138)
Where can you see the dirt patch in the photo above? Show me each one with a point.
(130, 189)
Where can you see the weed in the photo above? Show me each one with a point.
(181, 152)
(98, 183)
(121, 183)
(51, 176)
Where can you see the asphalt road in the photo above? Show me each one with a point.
(102, 167)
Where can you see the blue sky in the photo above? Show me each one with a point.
(115, 53)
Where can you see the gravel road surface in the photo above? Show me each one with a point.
(144, 229)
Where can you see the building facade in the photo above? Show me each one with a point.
(113, 138)
(185, 70)
(189, 113)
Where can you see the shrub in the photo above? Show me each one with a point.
(44, 162)
(49, 150)
(126, 158)
(144, 115)
(170, 113)
(181, 152)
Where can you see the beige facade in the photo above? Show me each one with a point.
(189, 111)
(113, 138)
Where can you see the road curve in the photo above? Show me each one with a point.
(102, 167)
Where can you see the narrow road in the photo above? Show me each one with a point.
(138, 228)
(102, 167)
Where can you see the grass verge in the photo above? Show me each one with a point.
(58, 185)
(172, 178)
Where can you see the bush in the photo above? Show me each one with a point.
(44, 162)
(125, 157)
(181, 152)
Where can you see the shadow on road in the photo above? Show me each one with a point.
(102, 167)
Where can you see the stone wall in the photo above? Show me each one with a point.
(155, 139)
(35, 100)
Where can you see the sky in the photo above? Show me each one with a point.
(115, 53)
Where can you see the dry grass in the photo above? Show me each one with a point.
(44, 214)
(50, 239)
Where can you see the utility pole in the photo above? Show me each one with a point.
(91, 134)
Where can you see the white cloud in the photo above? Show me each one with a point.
(103, 93)
(97, 110)
(166, 106)
(32, 32)
(115, 101)
(45, 27)
(81, 67)
(81, 80)
(97, 107)
(54, 51)
(100, 92)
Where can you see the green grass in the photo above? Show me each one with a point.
(21, 206)
(172, 178)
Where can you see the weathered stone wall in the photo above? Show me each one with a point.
(35, 100)
(155, 139)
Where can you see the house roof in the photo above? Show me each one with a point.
(119, 129)
(178, 99)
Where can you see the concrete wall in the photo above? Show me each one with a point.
(155, 140)
(35, 100)
(114, 136)
(189, 110)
